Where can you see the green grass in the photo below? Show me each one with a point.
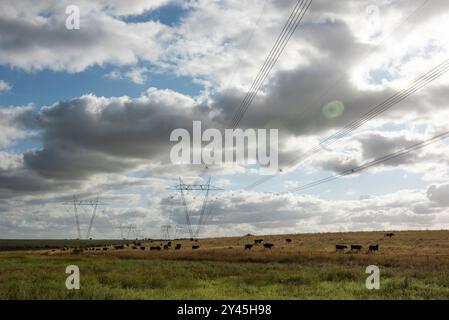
(40, 276)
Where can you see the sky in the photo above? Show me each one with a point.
(88, 112)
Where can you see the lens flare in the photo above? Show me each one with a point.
(333, 109)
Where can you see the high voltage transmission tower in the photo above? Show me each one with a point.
(165, 230)
(184, 188)
(77, 204)
(127, 230)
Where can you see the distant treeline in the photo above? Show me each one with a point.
(36, 244)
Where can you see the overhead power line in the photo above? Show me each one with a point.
(324, 93)
(418, 84)
(375, 162)
(289, 28)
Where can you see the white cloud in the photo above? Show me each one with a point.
(115, 142)
(34, 37)
(5, 86)
(114, 75)
(138, 75)
(439, 194)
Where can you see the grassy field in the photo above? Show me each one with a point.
(413, 264)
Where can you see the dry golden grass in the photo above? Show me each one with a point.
(404, 248)
(413, 264)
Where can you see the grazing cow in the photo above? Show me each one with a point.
(142, 248)
(178, 246)
(195, 246)
(98, 249)
(268, 245)
(166, 247)
(288, 240)
(389, 235)
(256, 241)
(105, 249)
(356, 247)
(169, 243)
(157, 248)
(340, 247)
(119, 247)
(248, 246)
(373, 248)
(134, 247)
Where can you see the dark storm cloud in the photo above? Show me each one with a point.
(90, 135)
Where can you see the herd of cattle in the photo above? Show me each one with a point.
(161, 246)
(358, 247)
(135, 246)
(266, 245)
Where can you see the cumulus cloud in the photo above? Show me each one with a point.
(138, 75)
(93, 134)
(439, 194)
(15, 124)
(335, 55)
(5, 86)
(34, 36)
(259, 212)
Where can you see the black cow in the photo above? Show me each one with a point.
(105, 249)
(142, 248)
(119, 247)
(195, 246)
(256, 241)
(389, 235)
(248, 246)
(373, 248)
(288, 240)
(356, 247)
(169, 243)
(178, 246)
(268, 245)
(157, 248)
(166, 247)
(340, 247)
